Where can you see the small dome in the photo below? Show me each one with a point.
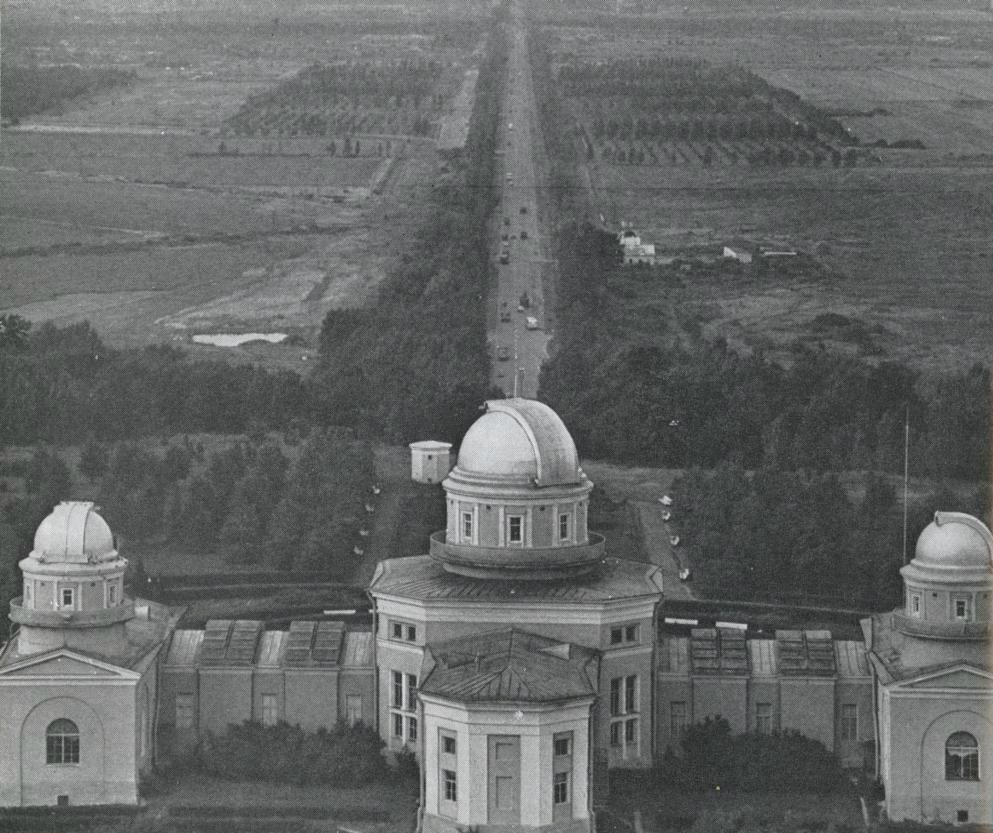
(74, 533)
(954, 540)
(521, 438)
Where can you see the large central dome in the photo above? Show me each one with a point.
(520, 438)
(517, 499)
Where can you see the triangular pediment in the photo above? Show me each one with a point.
(63, 663)
(960, 676)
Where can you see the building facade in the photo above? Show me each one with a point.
(518, 659)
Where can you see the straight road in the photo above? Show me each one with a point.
(519, 336)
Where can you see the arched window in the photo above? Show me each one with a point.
(62, 742)
(961, 758)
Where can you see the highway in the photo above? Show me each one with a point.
(520, 234)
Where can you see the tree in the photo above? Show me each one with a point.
(13, 332)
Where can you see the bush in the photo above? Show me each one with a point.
(782, 761)
(344, 756)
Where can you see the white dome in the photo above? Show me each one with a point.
(520, 438)
(954, 540)
(74, 533)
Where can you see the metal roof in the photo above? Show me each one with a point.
(271, 648)
(422, 577)
(805, 653)
(718, 651)
(314, 644)
(851, 659)
(510, 666)
(762, 656)
(358, 650)
(184, 648)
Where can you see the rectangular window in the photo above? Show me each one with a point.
(448, 777)
(615, 734)
(411, 633)
(67, 596)
(270, 710)
(397, 725)
(562, 746)
(564, 527)
(27, 594)
(353, 709)
(616, 636)
(849, 721)
(915, 604)
(449, 745)
(631, 633)
(184, 711)
(961, 610)
(411, 729)
(560, 788)
(615, 695)
(677, 718)
(631, 730)
(398, 630)
(467, 527)
(515, 529)
(411, 700)
(398, 689)
(763, 718)
(630, 694)
(111, 595)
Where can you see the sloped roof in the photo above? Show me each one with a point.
(718, 651)
(74, 532)
(805, 653)
(510, 666)
(422, 577)
(850, 659)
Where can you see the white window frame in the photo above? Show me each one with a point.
(269, 708)
(71, 604)
(966, 602)
(403, 714)
(509, 521)
(625, 714)
(849, 721)
(915, 605)
(111, 594)
(565, 519)
(763, 718)
(27, 593)
(560, 787)
(468, 521)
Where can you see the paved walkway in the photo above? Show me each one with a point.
(660, 551)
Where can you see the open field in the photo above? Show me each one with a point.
(901, 236)
(136, 208)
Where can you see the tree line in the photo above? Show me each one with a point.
(26, 90)
(685, 401)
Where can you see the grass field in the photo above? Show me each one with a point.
(904, 235)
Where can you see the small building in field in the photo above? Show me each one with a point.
(633, 249)
(429, 461)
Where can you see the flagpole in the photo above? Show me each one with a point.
(906, 471)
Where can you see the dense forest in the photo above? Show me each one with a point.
(415, 365)
(26, 90)
(686, 401)
(780, 536)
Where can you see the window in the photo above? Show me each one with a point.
(564, 528)
(270, 710)
(961, 758)
(411, 633)
(562, 746)
(560, 788)
(404, 631)
(111, 595)
(623, 634)
(677, 718)
(630, 694)
(515, 529)
(27, 594)
(915, 604)
(448, 744)
(448, 778)
(398, 630)
(68, 597)
(467, 527)
(631, 730)
(184, 711)
(615, 696)
(961, 816)
(62, 742)
(961, 608)
(398, 689)
(763, 718)
(849, 721)
(353, 709)
(404, 706)
(615, 734)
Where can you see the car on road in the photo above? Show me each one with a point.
(531, 322)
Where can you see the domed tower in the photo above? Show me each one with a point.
(517, 500)
(947, 584)
(73, 585)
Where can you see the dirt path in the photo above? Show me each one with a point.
(656, 534)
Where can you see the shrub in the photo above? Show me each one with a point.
(343, 756)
